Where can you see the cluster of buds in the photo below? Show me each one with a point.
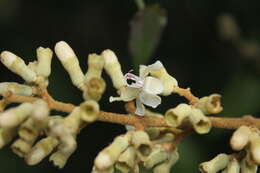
(137, 149)
(149, 147)
(195, 114)
(246, 140)
(29, 121)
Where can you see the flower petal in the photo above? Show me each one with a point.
(150, 99)
(155, 66)
(139, 107)
(145, 70)
(129, 93)
(152, 85)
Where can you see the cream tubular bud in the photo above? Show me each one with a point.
(17, 65)
(126, 161)
(175, 116)
(89, 110)
(95, 89)
(41, 150)
(157, 156)
(33, 66)
(240, 138)
(95, 66)
(218, 163)
(6, 135)
(233, 166)
(21, 147)
(247, 167)
(113, 69)
(210, 104)
(169, 82)
(255, 150)
(142, 143)
(73, 121)
(164, 138)
(199, 121)
(108, 170)
(29, 131)
(61, 157)
(40, 113)
(44, 56)
(153, 132)
(16, 88)
(70, 62)
(15, 116)
(166, 166)
(108, 156)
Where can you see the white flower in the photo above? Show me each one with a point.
(144, 88)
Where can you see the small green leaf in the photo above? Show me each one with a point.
(145, 33)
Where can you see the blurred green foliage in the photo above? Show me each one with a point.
(145, 33)
(190, 48)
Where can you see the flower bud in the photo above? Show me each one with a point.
(166, 166)
(108, 156)
(199, 121)
(89, 110)
(175, 116)
(168, 81)
(210, 104)
(41, 150)
(157, 156)
(29, 131)
(164, 138)
(15, 116)
(95, 66)
(108, 170)
(16, 88)
(153, 132)
(40, 113)
(6, 135)
(73, 121)
(21, 147)
(70, 62)
(61, 157)
(44, 56)
(126, 161)
(33, 66)
(213, 166)
(17, 65)
(255, 150)
(65, 137)
(247, 167)
(142, 143)
(95, 89)
(113, 69)
(233, 166)
(240, 138)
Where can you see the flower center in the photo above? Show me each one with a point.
(133, 80)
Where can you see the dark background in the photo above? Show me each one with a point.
(190, 49)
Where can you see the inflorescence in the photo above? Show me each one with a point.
(151, 139)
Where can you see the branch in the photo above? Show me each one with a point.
(187, 94)
(125, 119)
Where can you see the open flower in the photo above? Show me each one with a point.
(144, 88)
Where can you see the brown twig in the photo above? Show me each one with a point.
(187, 94)
(124, 119)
